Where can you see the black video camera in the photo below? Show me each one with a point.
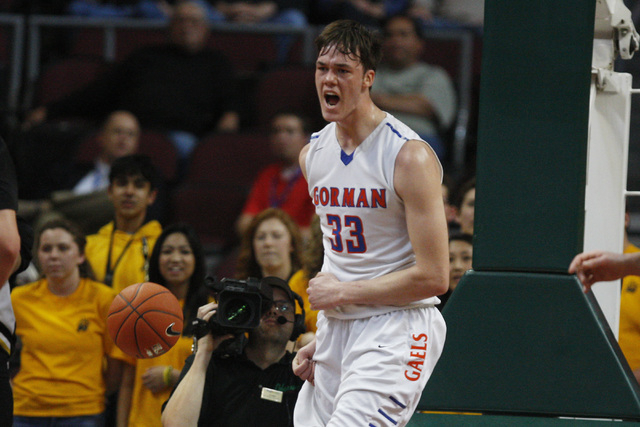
(241, 304)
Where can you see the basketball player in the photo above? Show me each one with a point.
(377, 190)
(9, 258)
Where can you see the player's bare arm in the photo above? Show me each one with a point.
(302, 159)
(9, 244)
(600, 266)
(417, 182)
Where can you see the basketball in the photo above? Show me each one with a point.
(145, 320)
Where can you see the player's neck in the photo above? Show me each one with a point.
(352, 131)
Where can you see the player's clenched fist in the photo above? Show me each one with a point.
(303, 364)
(324, 291)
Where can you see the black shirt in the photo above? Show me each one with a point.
(233, 390)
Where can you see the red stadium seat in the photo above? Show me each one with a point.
(129, 40)
(290, 88)
(211, 197)
(248, 52)
(66, 75)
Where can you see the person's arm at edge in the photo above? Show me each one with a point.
(9, 244)
(417, 182)
(601, 266)
(125, 394)
(185, 403)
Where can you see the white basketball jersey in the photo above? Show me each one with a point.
(362, 218)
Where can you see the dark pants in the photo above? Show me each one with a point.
(6, 395)
(80, 421)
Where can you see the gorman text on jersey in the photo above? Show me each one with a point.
(350, 197)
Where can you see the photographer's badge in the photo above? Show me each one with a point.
(271, 395)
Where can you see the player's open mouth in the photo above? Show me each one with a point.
(331, 99)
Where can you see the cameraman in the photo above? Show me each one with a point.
(254, 387)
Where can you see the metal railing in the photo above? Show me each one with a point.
(109, 26)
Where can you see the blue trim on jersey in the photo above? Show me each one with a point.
(394, 130)
(314, 136)
(384, 414)
(397, 402)
(346, 158)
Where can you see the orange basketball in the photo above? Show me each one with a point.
(145, 320)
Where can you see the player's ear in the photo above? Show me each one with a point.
(369, 77)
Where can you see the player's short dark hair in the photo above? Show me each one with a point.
(352, 39)
(134, 165)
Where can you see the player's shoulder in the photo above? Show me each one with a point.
(397, 131)
(321, 136)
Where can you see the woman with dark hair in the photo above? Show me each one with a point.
(271, 246)
(177, 263)
(68, 362)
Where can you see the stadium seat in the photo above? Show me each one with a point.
(212, 194)
(129, 40)
(248, 52)
(287, 88)
(66, 75)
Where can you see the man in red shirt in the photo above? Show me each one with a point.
(281, 184)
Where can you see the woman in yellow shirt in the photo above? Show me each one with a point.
(177, 262)
(68, 362)
(272, 246)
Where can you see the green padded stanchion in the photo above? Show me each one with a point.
(531, 344)
(522, 337)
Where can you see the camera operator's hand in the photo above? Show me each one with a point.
(184, 405)
(303, 364)
(209, 343)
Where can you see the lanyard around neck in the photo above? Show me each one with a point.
(109, 271)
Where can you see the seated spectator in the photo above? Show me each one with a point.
(367, 12)
(148, 9)
(68, 362)
(465, 206)
(448, 13)
(271, 246)
(282, 184)
(253, 387)
(285, 12)
(119, 252)
(177, 263)
(86, 202)
(418, 94)
(181, 87)
(460, 258)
